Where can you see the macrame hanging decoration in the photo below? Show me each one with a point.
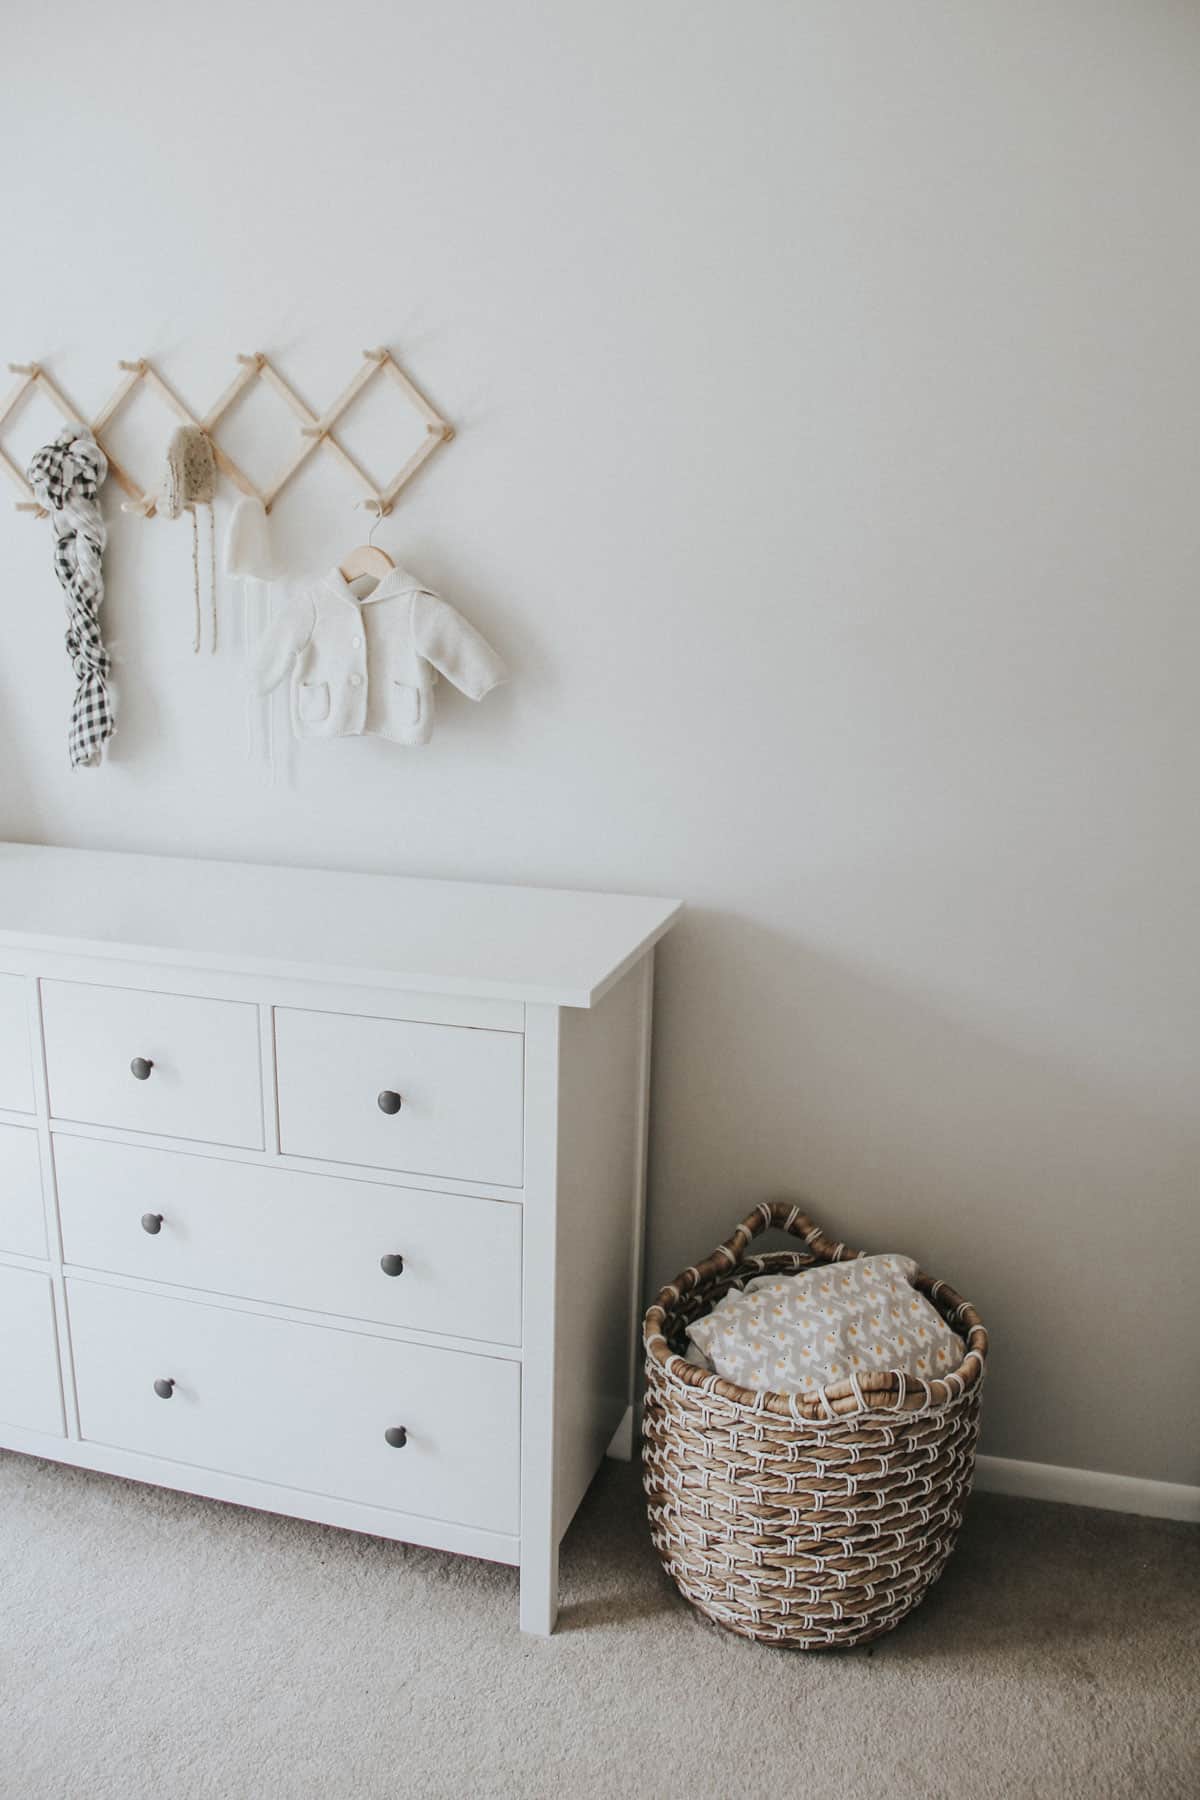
(65, 477)
(191, 482)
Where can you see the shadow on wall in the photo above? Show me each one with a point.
(782, 1072)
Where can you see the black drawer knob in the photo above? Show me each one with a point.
(388, 1101)
(392, 1265)
(396, 1436)
(164, 1388)
(152, 1222)
(140, 1068)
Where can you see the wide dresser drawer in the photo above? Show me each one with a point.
(22, 1215)
(427, 1099)
(432, 1262)
(164, 1063)
(30, 1388)
(16, 1066)
(430, 1432)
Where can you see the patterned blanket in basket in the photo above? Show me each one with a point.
(797, 1333)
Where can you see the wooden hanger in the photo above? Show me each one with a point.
(368, 559)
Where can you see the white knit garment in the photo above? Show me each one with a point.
(248, 548)
(367, 664)
(797, 1333)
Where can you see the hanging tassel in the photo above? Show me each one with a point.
(190, 481)
(195, 583)
(212, 578)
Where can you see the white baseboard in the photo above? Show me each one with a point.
(1088, 1487)
(1038, 1481)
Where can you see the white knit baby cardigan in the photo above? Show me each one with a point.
(368, 666)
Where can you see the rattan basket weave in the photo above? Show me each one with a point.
(802, 1521)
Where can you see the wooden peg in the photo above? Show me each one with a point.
(377, 356)
(135, 368)
(24, 369)
(31, 506)
(254, 361)
(314, 431)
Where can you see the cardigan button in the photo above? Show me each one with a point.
(356, 642)
(356, 681)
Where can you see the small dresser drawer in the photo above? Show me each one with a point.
(22, 1216)
(433, 1262)
(304, 1406)
(16, 1064)
(30, 1388)
(164, 1063)
(427, 1099)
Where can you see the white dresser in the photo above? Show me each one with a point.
(324, 1193)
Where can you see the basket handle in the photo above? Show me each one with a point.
(767, 1215)
(911, 1393)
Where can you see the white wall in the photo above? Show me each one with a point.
(827, 390)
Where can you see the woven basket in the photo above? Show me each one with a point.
(802, 1520)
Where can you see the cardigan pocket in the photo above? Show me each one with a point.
(406, 704)
(313, 702)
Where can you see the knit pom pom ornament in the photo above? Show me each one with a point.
(191, 482)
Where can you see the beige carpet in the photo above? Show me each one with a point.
(157, 1645)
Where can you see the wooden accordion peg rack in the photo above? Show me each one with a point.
(316, 430)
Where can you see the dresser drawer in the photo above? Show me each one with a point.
(460, 1094)
(22, 1216)
(204, 1077)
(311, 1241)
(304, 1406)
(30, 1388)
(16, 1064)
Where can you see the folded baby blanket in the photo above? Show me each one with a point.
(798, 1333)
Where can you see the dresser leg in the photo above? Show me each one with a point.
(539, 1591)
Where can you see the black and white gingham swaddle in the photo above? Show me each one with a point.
(65, 477)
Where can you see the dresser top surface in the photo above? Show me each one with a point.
(539, 945)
